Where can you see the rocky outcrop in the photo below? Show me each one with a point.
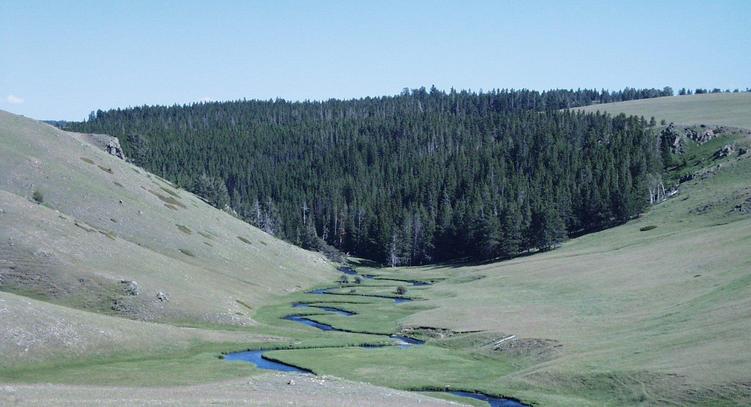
(725, 151)
(674, 139)
(113, 148)
(130, 287)
(703, 135)
(104, 142)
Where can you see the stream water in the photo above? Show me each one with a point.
(333, 310)
(492, 401)
(256, 357)
(348, 271)
(309, 322)
(403, 342)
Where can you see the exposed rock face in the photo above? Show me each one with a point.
(725, 151)
(675, 139)
(107, 143)
(703, 136)
(113, 147)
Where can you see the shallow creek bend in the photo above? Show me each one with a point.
(261, 361)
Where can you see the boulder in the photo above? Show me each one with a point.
(702, 137)
(130, 287)
(725, 151)
(686, 178)
(113, 147)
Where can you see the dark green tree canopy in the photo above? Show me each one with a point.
(419, 177)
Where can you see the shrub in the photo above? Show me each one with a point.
(401, 290)
(646, 228)
(358, 280)
(343, 280)
(38, 196)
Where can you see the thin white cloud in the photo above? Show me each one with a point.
(14, 100)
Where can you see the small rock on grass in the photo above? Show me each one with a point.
(162, 296)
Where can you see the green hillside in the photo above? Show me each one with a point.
(82, 229)
(727, 109)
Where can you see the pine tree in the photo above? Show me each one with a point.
(489, 236)
(511, 233)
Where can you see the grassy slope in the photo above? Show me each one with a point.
(103, 221)
(729, 109)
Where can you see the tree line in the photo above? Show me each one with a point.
(419, 177)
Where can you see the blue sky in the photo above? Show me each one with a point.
(63, 59)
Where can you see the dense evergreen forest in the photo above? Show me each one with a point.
(420, 177)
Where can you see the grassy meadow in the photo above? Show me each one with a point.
(726, 109)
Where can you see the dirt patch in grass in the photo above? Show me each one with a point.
(244, 304)
(187, 252)
(263, 243)
(184, 229)
(535, 348)
(468, 279)
(108, 233)
(206, 235)
(105, 169)
(244, 240)
(171, 192)
(83, 227)
(118, 184)
(168, 199)
(208, 244)
(429, 332)
(87, 160)
(173, 207)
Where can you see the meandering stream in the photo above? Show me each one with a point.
(257, 357)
